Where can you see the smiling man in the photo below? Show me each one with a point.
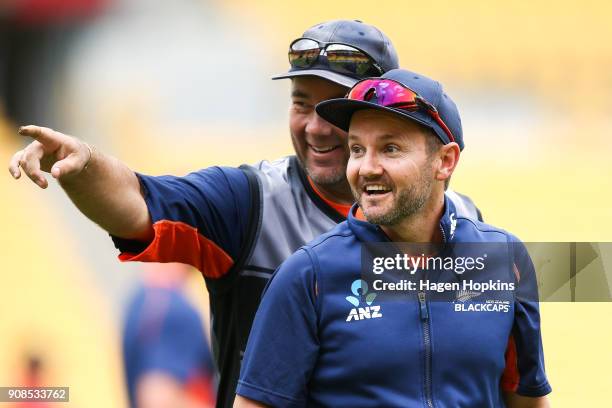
(388, 196)
(312, 345)
(236, 225)
(319, 147)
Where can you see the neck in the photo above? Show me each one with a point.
(422, 226)
(338, 192)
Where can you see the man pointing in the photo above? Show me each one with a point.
(236, 225)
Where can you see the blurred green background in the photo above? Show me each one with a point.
(170, 87)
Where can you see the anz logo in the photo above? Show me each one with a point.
(362, 297)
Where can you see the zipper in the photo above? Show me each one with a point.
(427, 341)
(443, 233)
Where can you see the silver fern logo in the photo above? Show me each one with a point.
(465, 295)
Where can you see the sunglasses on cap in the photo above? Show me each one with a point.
(341, 58)
(392, 94)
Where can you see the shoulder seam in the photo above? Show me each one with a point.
(314, 261)
(337, 234)
(491, 229)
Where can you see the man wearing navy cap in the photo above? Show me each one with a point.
(312, 345)
(235, 225)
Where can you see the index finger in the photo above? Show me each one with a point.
(42, 134)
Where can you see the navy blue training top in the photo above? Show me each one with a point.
(312, 344)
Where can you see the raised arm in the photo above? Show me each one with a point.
(101, 187)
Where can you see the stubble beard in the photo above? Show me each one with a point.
(329, 178)
(405, 205)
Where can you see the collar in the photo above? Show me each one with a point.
(342, 209)
(367, 232)
(448, 222)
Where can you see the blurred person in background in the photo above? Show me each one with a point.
(235, 225)
(35, 374)
(165, 351)
(35, 36)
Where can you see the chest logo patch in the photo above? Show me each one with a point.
(362, 300)
(464, 304)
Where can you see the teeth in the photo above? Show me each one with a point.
(376, 187)
(323, 149)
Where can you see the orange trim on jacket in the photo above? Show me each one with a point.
(176, 241)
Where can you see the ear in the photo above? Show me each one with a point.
(449, 157)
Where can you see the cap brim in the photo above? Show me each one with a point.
(340, 79)
(339, 112)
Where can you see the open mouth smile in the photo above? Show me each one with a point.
(371, 190)
(323, 149)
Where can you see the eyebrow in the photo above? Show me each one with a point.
(386, 136)
(296, 93)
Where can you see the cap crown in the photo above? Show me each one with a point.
(433, 92)
(351, 32)
(359, 35)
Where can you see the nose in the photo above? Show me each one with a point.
(370, 166)
(317, 126)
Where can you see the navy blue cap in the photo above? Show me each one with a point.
(351, 32)
(340, 111)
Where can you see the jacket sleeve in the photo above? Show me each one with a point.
(526, 333)
(283, 345)
(200, 219)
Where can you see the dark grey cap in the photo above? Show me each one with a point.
(351, 32)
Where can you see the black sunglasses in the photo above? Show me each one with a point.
(341, 58)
